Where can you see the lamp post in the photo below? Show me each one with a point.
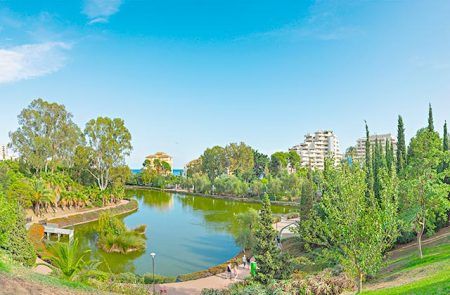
(153, 266)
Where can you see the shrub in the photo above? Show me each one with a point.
(148, 279)
(36, 235)
(13, 235)
(215, 292)
(115, 237)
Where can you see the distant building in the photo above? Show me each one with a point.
(4, 152)
(162, 157)
(382, 138)
(317, 147)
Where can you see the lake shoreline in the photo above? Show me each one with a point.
(93, 215)
(222, 197)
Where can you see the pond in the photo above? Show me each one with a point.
(188, 233)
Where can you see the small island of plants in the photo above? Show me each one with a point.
(115, 237)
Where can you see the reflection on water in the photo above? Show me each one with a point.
(188, 233)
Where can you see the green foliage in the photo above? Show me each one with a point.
(401, 145)
(430, 119)
(115, 237)
(69, 259)
(13, 235)
(267, 254)
(109, 141)
(230, 185)
(247, 223)
(350, 227)
(214, 162)
(46, 136)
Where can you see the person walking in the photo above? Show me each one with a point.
(253, 268)
(229, 270)
(244, 261)
(235, 270)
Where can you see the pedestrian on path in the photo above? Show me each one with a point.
(253, 268)
(229, 270)
(244, 261)
(235, 270)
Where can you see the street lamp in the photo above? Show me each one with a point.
(153, 264)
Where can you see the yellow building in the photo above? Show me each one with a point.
(162, 157)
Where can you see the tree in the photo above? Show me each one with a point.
(46, 136)
(368, 166)
(425, 195)
(266, 251)
(389, 156)
(247, 221)
(349, 226)
(109, 141)
(214, 162)
(40, 195)
(261, 163)
(430, 118)
(294, 160)
(445, 147)
(239, 159)
(401, 145)
(278, 163)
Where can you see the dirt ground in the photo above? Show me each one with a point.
(18, 286)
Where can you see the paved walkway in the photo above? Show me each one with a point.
(290, 225)
(220, 281)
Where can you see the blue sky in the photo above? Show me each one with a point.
(186, 75)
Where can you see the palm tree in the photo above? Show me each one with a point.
(68, 259)
(40, 195)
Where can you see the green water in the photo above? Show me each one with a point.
(188, 233)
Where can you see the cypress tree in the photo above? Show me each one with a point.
(445, 148)
(369, 164)
(267, 254)
(445, 140)
(389, 154)
(430, 118)
(401, 145)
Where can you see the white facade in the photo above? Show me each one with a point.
(382, 138)
(3, 152)
(317, 147)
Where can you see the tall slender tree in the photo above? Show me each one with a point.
(445, 147)
(266, 251)
(430, 118)
(369, 179)
(401, 145)
(445, 139)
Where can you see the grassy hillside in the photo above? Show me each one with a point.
(406, 273)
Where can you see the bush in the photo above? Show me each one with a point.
(148, 279)
(13, 235)
(115, 237)
(215, 292)
(36, 235)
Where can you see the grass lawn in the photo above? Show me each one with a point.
(408, 274)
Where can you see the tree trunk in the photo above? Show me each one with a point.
(359, 283)
(419, 243)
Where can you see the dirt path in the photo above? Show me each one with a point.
(220, 281)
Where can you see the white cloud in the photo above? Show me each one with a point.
(98, 11)
(31, 60)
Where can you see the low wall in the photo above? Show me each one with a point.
(86, 217)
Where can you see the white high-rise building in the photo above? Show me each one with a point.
(3, 152)
(382, 138)
(317, 147)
